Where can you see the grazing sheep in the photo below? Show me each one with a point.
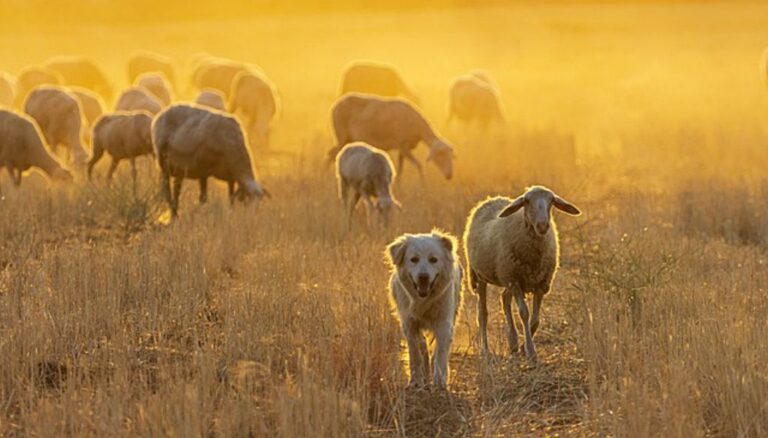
(92, 107)
(368, 173)
(57, 113)
(374, 78)
(138, 99)
(31, 78)
(516, 250)
(253, 99)
(6, 90)
(147, 62)
(425, 289)
(212, 99)
(388, 124)
(125, 136)
(83, 72)
(21, 147)
(474, 98)
(193, 142)
(158, 85)
(217, 74)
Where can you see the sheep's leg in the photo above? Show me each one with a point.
(522, 307)
(203, 190)
(481, 288)
(443, 337)
(506, 304)
(15, 176)
(415, 162)
(535, 314)
(231, 191)
(112, 168)
(134, 174)
(368, 210)
(165, 185)
(351, 208)
(400, 162)
(343, 190)
(176, 194)
(415, 342)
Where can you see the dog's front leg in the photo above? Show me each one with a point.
(443, 338)
(415, 341)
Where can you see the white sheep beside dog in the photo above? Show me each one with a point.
(367, 173)
(514, 244)
(425, 290)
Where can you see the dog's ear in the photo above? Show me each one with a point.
(396, 251)
(448, 242)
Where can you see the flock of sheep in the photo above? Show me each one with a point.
(53, 113)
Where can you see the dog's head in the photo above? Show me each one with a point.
(424, 262)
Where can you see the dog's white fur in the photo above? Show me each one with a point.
(425, 290)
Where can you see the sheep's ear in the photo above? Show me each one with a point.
(517, 204)
(563, 205)
(396, 251)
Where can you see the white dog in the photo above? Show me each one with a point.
(426, 293)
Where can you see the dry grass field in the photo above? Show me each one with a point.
(274, 320)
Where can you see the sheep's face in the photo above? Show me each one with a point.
(250, 191)
(441, 153)
(385, 207)
(537, 202)
(423, 262)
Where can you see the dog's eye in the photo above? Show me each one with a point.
(414, 260)
(433, 260)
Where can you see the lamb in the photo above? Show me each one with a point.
(253, 99)
(81, 71)
(158, 85)
(92, 107)
(138, 99)
(147, 62)
(474, 98)
(368, 173)
(218, 74)
(31, 78)
(425, 289)
(516, 250)
(193, 142)
(21, 147)
(57, 113)
(124, 135)
(388, 124)
(374, 78)
(212, 99)
(6, 90)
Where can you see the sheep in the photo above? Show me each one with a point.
(253, 99)
(21, 147)
(92, 107)
(158, 85)
(374, 78)
(81, 71)
(193, 142)
(217, 74)
(147, 62)
(473, 97)
(137, 99)
(516, 250)
(31, 78)
(368, 173)
(124, 135)
(212, 99)
(57, 113)
(425, 291)
(6, 90)
(388, 124)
